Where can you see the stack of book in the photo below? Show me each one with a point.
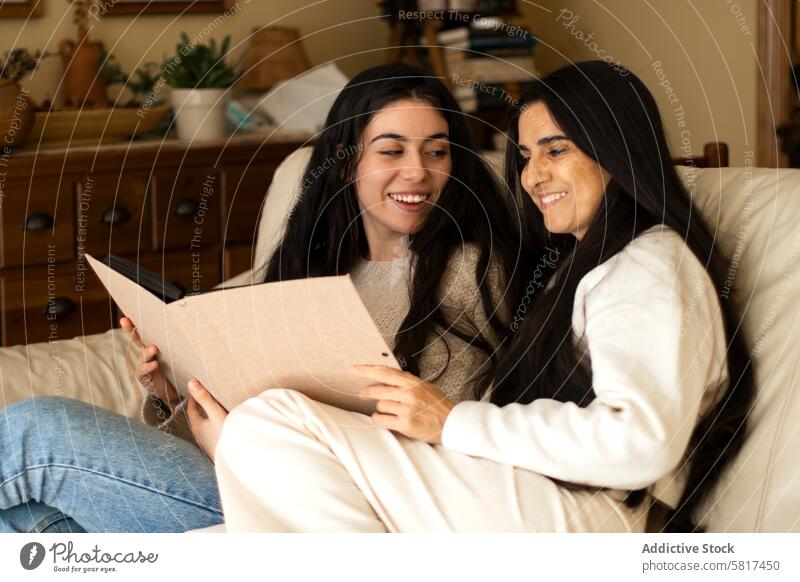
(487, 65)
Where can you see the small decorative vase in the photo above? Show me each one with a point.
(200, 113)
(84, 84)
(16, 114)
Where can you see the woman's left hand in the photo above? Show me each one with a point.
(406, 404)
(206, 417)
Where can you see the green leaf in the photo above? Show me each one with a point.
(202, 65)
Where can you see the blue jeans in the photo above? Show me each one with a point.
(36, 517)
(63, 461)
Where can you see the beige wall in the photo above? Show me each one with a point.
(706, 50)
(707, 58)
(354, 32)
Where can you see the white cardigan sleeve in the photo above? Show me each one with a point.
(653, 331)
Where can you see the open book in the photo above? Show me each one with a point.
(303, 334)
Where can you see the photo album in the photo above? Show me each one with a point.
(303, 334)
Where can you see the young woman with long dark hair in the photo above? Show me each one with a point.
(627, 383)
(393, 194)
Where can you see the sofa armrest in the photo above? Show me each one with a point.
(97, 368)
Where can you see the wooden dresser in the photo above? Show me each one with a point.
(187, 213)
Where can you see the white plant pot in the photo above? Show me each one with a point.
(200, 113)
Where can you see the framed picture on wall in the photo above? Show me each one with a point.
(21, 8)
(114, 7)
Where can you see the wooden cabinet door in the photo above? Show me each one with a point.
(237, 260)
(245, 190)
(47, 303)
(113, 214)
(37, 222)
(186, 209)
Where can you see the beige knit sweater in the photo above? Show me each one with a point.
(384, 288)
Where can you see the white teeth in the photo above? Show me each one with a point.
(409, 198)
(553, 197)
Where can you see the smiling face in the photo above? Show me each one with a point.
(565, 184)
(404, 165)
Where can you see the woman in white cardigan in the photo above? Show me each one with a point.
(626, 385)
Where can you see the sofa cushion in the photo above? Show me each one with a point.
(754, 212)
(96, 368)
(280, 200)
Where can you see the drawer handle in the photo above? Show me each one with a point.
(59, 306)
(115, 215)
(38, 221)
(187, 207)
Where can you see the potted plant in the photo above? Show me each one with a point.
(200, 79)
(16, 108)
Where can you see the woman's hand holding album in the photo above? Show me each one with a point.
(206, 417)
(148, 371)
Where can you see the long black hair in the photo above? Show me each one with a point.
(613, 119)
(325, 234)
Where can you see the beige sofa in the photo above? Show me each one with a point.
(754, 213)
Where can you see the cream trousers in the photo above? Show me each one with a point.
(286, 463)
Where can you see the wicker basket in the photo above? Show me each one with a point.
(275, 53)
